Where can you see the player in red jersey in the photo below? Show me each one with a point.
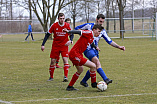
(76, 54)
(67, 20)
(59, 46)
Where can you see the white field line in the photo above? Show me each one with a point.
(125, 95)
(6, 102)
(23, 48)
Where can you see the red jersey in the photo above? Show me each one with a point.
(85, 40)
(60, 37)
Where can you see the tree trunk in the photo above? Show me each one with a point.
(121, 6)
(107, 21)
(30, 10)
(107, 15)
(11, 10)
(113, 10)
(114, 21)
(74, 12)
(121, 22)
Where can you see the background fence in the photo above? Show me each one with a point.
(133, 27)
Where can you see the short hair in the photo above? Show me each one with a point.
(100, 16)
(60, 15)
(98, 26)
(68, 19)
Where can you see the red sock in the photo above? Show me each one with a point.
(93, 76)
(51, 70)
(66, 69)
(74, 78)
(56, 64)
(57, 60)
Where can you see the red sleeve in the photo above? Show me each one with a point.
(51, 29)
(68, 26)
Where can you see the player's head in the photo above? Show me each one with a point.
(30, 23)
(100, 19)
(68, 20)
(97, 28)
(61, 18)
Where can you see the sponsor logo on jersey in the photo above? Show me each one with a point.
(60, 33)
(56, 28)
(86, 31)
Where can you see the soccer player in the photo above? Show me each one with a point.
(29, 31)
(59, 46)
(67, 20)
(76, 54)
(92, 54)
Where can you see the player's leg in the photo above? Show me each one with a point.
(93, 55)
(51, 69)
(32, 36)
(57, 61)
(89, 54)
(66, 69)
(27, 36)
(98, 67)
(53, 55)
(64, 54)
(92, 71)
(74, 78)
(100, 70)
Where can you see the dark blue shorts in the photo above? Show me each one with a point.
(91, 53)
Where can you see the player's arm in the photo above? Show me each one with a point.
(80, 27)
(106, 37)
(71, 37)
(117, 46)
(73, 31)
(109, 41)
(44, 41)
(86, 26)
(93, 45)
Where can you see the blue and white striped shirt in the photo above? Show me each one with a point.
(89, 26)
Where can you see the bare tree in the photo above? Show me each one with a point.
(88, 8)
(107, 5)
(114, 5)
(45, 10)
(1, 3)
(30, 10)
(73, 11)
(154, 4)
(84, 9)
(121, 6)
(11, 9)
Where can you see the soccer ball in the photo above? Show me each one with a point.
(102, 86)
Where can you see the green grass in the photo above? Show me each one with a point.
(24, 74)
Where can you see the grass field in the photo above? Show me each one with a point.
(24, 74)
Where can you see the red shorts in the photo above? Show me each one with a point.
(77, 59)
(56, 51)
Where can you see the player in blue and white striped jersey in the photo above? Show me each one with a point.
(92, 54)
